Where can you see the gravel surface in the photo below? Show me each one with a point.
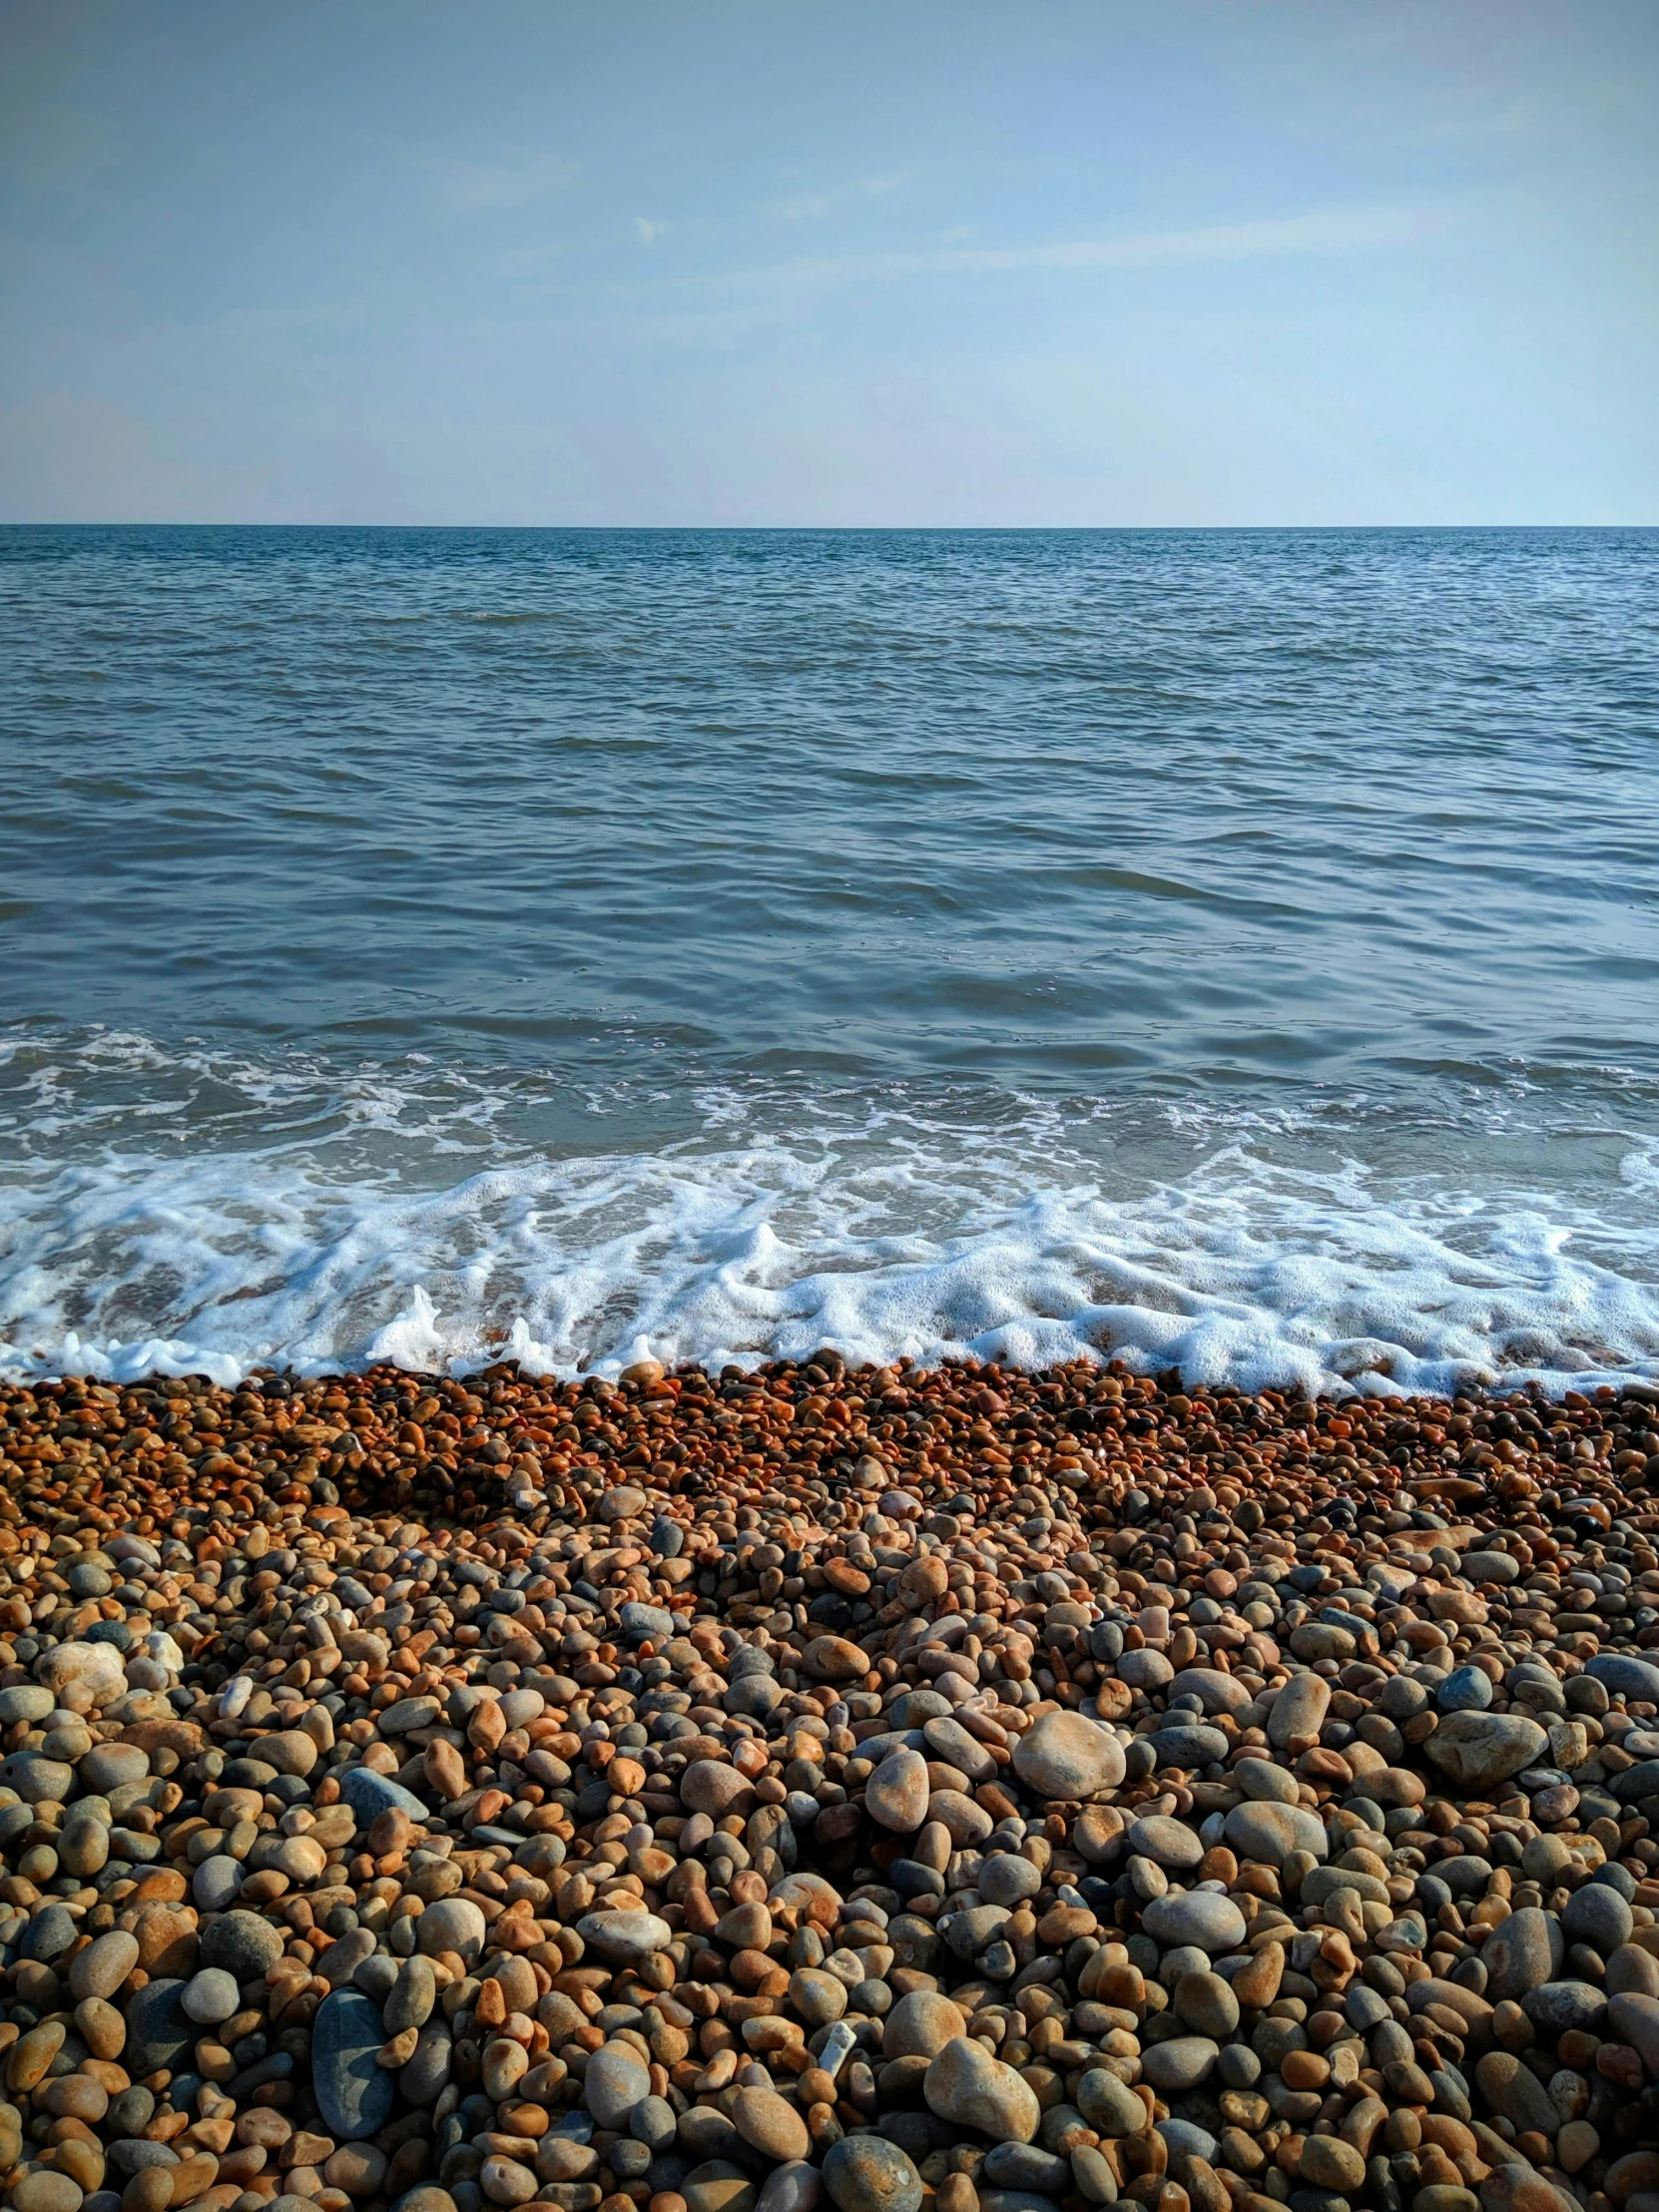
(997, 1792)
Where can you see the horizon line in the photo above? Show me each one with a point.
(845, 529)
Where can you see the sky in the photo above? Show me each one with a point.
(781, 263)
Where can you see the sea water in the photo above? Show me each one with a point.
(1232, 950)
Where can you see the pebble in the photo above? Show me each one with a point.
(1525, 1950)
(863, 2173)
(354, 2093)
(1108, 2103)
(1180, 2064)
(768, 2124)
(1196, 1916)
(1066, 1755)
(1172, 1844)
(615, 2081)
(211, 1996)
(897, 1793)
(1269, 1833)
(242, 1943)
(965, 2084)
(1480, 1750)
(888, 1789)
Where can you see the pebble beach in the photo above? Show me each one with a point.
(977, 1789)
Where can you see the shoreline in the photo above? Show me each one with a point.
(465, 1447)
(970, 1791)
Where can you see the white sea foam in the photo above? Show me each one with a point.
(293, 1228)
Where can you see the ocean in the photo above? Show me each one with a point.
(1228, 950)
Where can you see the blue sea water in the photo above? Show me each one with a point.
(1228, 949)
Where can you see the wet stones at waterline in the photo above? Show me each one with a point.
(875, 1788)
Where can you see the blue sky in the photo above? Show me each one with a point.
(926, 261)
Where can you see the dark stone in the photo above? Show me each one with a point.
(1187, 1747)
(50, 1933)
(353, 2093)
(369, 1793)
(244, 1944)
(160, 2035)
(1559, 2007)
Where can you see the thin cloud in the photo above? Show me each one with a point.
(469, 187)
(648, 232)
(813, 207)
(1337, 231)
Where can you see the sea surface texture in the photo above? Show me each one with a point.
(1228, 950)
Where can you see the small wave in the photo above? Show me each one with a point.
(187, 1214)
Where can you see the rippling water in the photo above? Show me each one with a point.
(1233, 949)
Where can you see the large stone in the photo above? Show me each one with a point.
(967, 2085)
(640, 1621)
(1634, 2019)
(769, 2124)
(1109, 2106)
(1596, 1915)
(354, 2094)
(1464, 1690)
(1202, 1918)
(1490, 1566)
(1265, 1783)
(1624, 1676)
(50, 1933)
(615, 2083)
(1068, 1757)
(796, 2187)
(160, 2033)
(1515, 2091)
(1187, 1744)
(965, 1823)
(1217, 1692)
(1145, 1670)
(895, 1796)
(100, 1970)
(623, 1939)
(410, 2002)
(1169, 1842)
(246, 1945)
(1518, 2189)
(1330, 2164)
(1206, 2003)
(866, 2173)
(37, 1781)
(1006, 1878)
(211, 1996)
(408, 1713)
(1298, 1712)
(454, 1923)
(99, 1667)
(369, 1793)
(1026, 2166)
(920, 2024)
(1267, 1832)
(819, 1998)
(712, 1786)
(290, 1751)
(25, 1701)
(834, 1659)
(1561, 2006)
(950, 1740)
(1521, 1953)
(717, 2186)
(423, 2080)
(106, 1766)
(1480, 1750)
(1180, 2064)
(216, 1883)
